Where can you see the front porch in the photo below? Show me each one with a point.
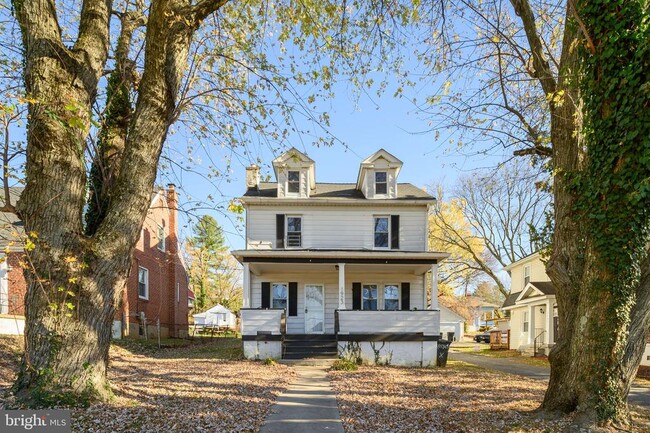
(534, 321)
(375, 337)
(376, 305)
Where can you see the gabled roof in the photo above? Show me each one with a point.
(533, 289)
(370, 161)
(406, 191)
(451, 312)
(510, 300)
(528, 258)
(295, 158)
(217, 309)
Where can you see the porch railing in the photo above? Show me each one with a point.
(538, 343)
(255, 321)
(425, 322)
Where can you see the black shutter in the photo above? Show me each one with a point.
(356, 296)
(394, 232)
(266, 295)
(293, 299)
(406, 296)
(279, 231)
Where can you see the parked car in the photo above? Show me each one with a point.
(482, 338)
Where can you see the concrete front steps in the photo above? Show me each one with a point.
(309, 347)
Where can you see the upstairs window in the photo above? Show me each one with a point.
(294, 232)
(294, 182)
(143, 283)
(369, 297)
(279, 295)
(391, 297)
(161, 238)
(381, 183)
(382, 234)
(526, 275)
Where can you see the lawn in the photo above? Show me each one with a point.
(484, 350)
(199, 385)
(459, 398)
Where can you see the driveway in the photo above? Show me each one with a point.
(639, 394)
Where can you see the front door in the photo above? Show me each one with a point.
(314, 309)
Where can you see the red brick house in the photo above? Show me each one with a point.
(157, 287)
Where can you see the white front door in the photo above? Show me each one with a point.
(314, 309)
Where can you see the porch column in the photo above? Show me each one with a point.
(341, 286)
(548, 339)
(531, 324)
(247, 286)
(434, 288)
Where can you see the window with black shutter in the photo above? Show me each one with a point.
(406, 296)
(356, 296)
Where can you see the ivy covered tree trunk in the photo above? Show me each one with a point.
(599, 261)
(72, 277)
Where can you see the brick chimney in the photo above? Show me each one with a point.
(252, 177)
(172, 257)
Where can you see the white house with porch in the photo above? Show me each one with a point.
(338, 268)
(532, 306)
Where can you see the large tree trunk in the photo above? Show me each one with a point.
(73, 278)
(599, 263)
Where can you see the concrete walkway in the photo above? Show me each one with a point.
(307, 406)
(639, 394)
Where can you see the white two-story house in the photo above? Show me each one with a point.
(534, 325)
(338, 268)
(532, 306)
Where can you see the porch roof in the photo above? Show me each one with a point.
(301, 260)
(339, 256)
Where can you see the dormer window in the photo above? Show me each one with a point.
(293, 182)
(381, 182)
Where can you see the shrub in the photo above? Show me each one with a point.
(344, 365)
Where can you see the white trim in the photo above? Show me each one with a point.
(333, 201)
(161, 240)
(341, 294)
(374, 233)
(378, 301)
(528, 258)
(146, 283)
(286, 230)
(288, 182)
(524, 292)
(322, 290)
(399, 296)
(341, 254)
(384, 194)
(272, 291)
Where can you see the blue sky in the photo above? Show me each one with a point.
(363, 125)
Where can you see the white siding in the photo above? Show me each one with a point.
(337, 226)
(296, 324)
(537, 273)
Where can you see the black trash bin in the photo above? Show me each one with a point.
(443, 351)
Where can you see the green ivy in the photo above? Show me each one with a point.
(614, 189)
